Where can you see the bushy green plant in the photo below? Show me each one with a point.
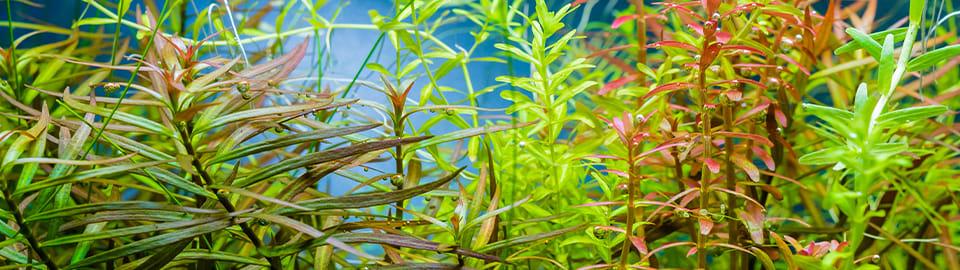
(713, 134)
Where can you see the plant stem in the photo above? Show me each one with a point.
(207, 179)
(728, 149)
(25, 231)
(631, 197)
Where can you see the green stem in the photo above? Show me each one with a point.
(25, 229)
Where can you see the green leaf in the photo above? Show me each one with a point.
(916, 11)
(833, 116)
(867, 43)
(373, 199)
(202, 126)
(163, 257)
(204, 81)
(78, 210)
(529, 238)
(908, 115)
(284, 141)
(883, 150)
(463, 133)
(898, 35)
(933, 57)
(823, 157)
(887, 65)
(317, 158)
(156, 242)
(119, 232)
(385, 239)
(311, 231)
(83, 175)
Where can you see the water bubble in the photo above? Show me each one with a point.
(684, 214)
(696, 58)
(450, 112)
(704, 212)
(798, 38)
(723, 209)
(657, 46)
(640, 118)
(366, 169)
(709, 25)
(735, 81)
(278, 129)
(738, 13)
(396, 180)
(875, 258)
(521, 144)
(242, 86)
(852, 135)
(715, 16)
(245, 95)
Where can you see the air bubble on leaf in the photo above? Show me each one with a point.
(657, 46)
(715, 16)
(278, 129)
(245, 95)
(723, 209)
(262, 222)
(242, 86)
(348, 106)
(852, 135)
(738, 13)
(762, 23)
(696, 58)
(876, 258)
(396, 180)
(735, 81)
(450, 112)
(798, 38)
(772, 82)
(366, 169)
(709, 25)
(684, 214)
(640, 118)
(521, 144)
(704, 212)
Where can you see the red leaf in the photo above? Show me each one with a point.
(640, 244)
(604, 51)
(711, 53)
(669, 87)
(754, 111)
(753, 218)
(781, 118)
(675, 44)
(744, 7)
(696, 28)
(748, 136)
(794, 62)
(741, 195)
(738, 81)
(712, 165)
(748, 167)
(743, 47)
(705, 225)
(622, 19)
(602, 156)
(616, 84)
(617, 172)
(723, 37)
(599, 204)
(692, 251)
(734, 95)
(678, 7)
(763, 155)
(658, 149)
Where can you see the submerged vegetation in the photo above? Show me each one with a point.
(714, 134)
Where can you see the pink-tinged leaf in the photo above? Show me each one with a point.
(678, 7)
(657, 149)
(784, 178)
(674, 198)
(623, 19)
(666, 246)
(640, 244)
(599, 204)
(617, 84)
(617, 172)
(712, 165)
(763, 155)
(726, 245)
(692, 251)
(756, 109)
(793, 92)
(578, 2)
(748, 167)
(794, 62)
(744, 7)
(743, 47)
(705, 225)
(602, 156)
(696, 28)
(669, 87)
(734, 95)
(596, 266)
(741, 195)
(723, 37)
(754, 65)
(748, 136)
(739, 81)
(781, 118)
(753, 218)
(675, 44)
(804, 223)
(612, 228)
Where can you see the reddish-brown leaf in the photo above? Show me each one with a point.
(748, 167)
(763, 155)
(640, 244)
(743, 47)
(669, 87)
(712, 165)
(705, 225)
(623, 19)
(678, 7)
(617, 84)
(675, 44)
(757, 138)
(795, 63)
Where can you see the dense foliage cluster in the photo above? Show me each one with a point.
(720, 134)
